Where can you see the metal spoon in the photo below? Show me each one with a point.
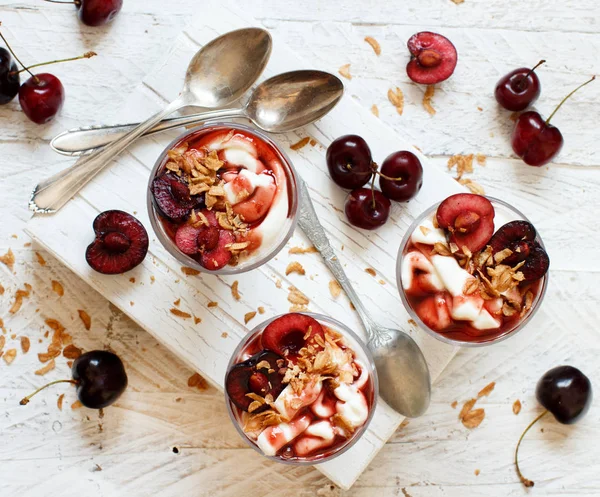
(218, 74)
(404, 381)
(279, 104)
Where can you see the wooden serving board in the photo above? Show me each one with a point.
(147, 293)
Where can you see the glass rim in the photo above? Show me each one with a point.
(441, 336)
(339, 326)
(170, 245)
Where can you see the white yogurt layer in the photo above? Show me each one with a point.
(441, 272)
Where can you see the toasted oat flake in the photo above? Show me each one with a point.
(1, 289)
(59, 401)
(45, 369)
(458, 2)
(477, 472)
(463, 164)
(516, 408)
(374, 44)
(335, 289)
(76, 405)
(212, 304)
(471, 286)
(71, 352)
(197, 320)
(528, 302)
(301, 144)
(466, 408)
(224, 334)
(303, 250)
(2, 342)
(375, 110)
(488, 389)
(177, 302)
(188, 271)
(57, 288)
(454, 404)
(297, 297)
(85, 319)
(180, 313)
(19, 296)
(345, 71)
(9, 355)
(481, 159)
(8, 259)
(473, 418)
(473, 186)
(261, 310)
(371, 271)
(248, 316)
(396, 98)
(441, 249)
(294, 267)
(40, 259)
(235, 291)
(25, 344)
(427, 99)
(278, 283)
(197, 381)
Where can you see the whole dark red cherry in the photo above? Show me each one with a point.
(99, 376)
(9, 77)
(406, 166)
(536, 141)
(367, 209)
(97, 12)
(518, 89)
(41, 97)
(349, 161)
(565, 392)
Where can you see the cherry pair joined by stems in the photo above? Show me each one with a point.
(42, 95)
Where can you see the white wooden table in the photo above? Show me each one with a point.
(44, 451)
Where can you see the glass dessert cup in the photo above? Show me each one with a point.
(461, 331)
(253, 211)
(319, 426)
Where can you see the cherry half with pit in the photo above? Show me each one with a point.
(472, 270)
(301, 389)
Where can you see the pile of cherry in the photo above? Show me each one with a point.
(351, 166)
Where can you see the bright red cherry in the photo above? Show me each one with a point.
(41, 97)
(367, 209)
(97, 12)
(349, 161)
(519, 88)
(406, 166)
(536, 141)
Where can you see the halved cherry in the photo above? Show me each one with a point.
(287, 334)
(253, 376)
(172, 196)
(219, 256)
(519, 236)
(433, 60)
(469, 218)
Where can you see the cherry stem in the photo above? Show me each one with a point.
(25, 400)
(522, 82)
(86, 55)
(525, 481)
(567, 97)
(388, 177)
(373, 191)
(36, 79)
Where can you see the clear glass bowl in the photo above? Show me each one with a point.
(251, 262)
(506, 213)
(362, 353)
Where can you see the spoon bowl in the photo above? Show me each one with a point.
(226, 67)
(294, 99)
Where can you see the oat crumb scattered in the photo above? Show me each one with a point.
(261, 310)
(335, 289)
(488, 389)
(477, 472)
(303, 250)
(180, 313)
(374, 44)
(224, 334)
(375, 110)
(9, 356)
(516, 408)
(396, 97)
(188, 271)
(235, 291)
(40, 259)
(429, 93)
(345, 71)
(197, 381)
(25, 344)
(454, 404)
(59, 401)
(212, 304)
(249, 316)
(8, 259)
(301, 144)
(295, 267)
(371, 271)
(85, 318)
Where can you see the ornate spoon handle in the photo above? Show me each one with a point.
(312, 227)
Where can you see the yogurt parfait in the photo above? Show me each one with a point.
(472, 270)
(223, 198)
(301, 388)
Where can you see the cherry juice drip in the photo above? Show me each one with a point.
(462, 330)
(287, 451)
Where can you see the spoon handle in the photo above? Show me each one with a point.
(313, 229)
(54, 192)
(82, 141)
